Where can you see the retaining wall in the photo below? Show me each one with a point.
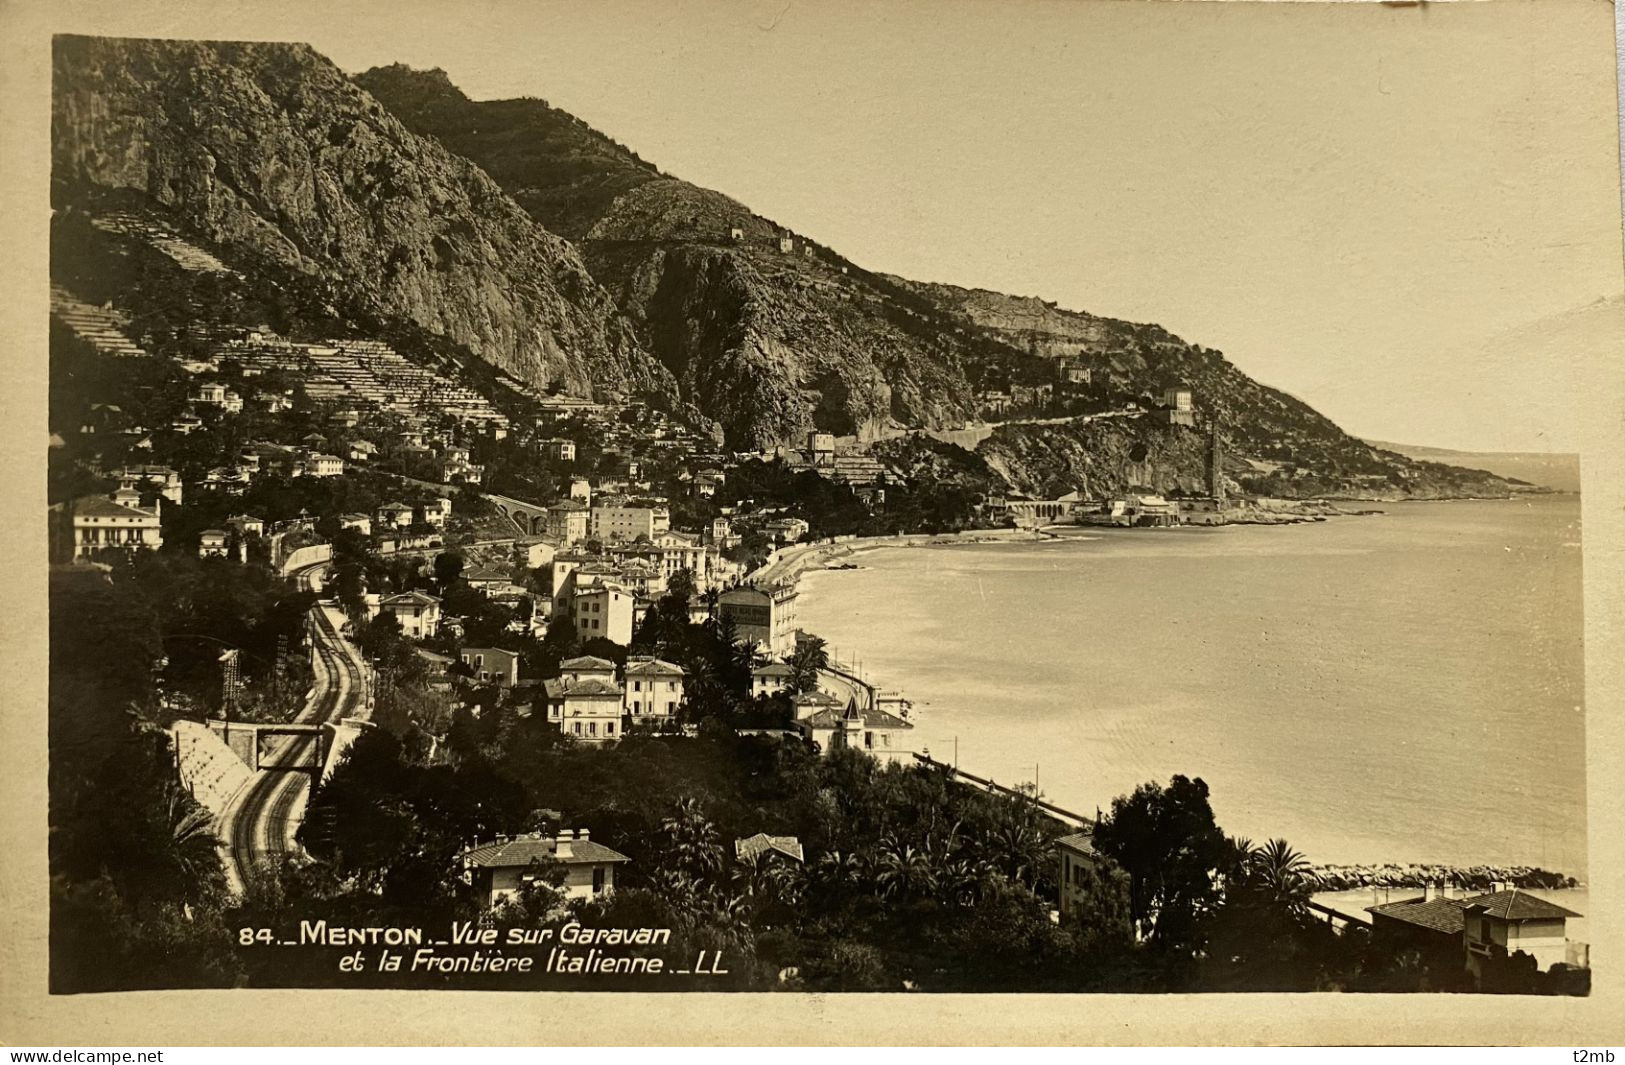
(209, 769)
(308, 555)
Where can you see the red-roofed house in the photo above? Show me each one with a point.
(1079, 864)
(211, 543)
(769, 678)
(95, 523)
(492, 665)
(761, 846)
(587, 667)
(1470, 930)
(417, 612)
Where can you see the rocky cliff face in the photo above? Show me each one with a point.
(771, 350)
(1101, 458)
(773, 340)
(769, 342)
(269, 149)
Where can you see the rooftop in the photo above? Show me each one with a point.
(587, 664)
(1515, 905)
(410, 599)
(1438, 915)
(761, 844)
(1448, 915)
(832, 717)
(522, 850)
(490, 651)
(1082, 842)
(98, 507)
(560, 688)
(652, 666)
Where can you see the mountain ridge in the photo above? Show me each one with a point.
(775, 339)
(561, 257)
(270, 148)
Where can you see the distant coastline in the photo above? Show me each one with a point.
(1558, 471)
(788, 563)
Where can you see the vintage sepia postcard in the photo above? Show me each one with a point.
(851, 505)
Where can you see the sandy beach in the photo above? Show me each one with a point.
(790, 562)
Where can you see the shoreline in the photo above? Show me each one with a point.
(799, 558)
(792, 562)
(1326, 877)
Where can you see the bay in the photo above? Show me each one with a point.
(1405, 687)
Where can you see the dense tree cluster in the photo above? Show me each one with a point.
(138, 893)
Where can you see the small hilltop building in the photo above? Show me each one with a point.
(1178, 407)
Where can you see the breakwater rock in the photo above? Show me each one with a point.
(1481, 877)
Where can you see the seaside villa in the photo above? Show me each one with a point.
(1470, 930)
(874, 732)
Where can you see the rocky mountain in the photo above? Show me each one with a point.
(768, 332)
(557, 255)
(1273, 442)
(771, 333)
(270, 151)
(1126, 359)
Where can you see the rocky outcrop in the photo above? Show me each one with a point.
(772, 348)
(436, 209)
(559, 169)
(269, 150)
(771, 341)
(1104, 457)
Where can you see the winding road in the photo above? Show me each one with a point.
(260, 821)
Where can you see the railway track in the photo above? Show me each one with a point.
(259, 826)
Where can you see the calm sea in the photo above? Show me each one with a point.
(1404, 687)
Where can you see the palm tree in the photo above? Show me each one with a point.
(694, 840)
(811, 655)
(752, 875)
(193, 846)
(1281, 874)
(903, 870)
(1018, 844)
(835, 871)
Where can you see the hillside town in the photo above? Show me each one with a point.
(542, 560)
(364, 612)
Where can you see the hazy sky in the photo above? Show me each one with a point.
(1401, 215)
